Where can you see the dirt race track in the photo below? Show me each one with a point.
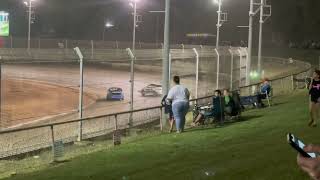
(44, 93)
(26, 100)
(34, 93)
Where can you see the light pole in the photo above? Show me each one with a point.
(219, 2)
(263, 5)
(166, 54)
(260, 36)
(134, 3)
(29, 5)
(251, 14)
(222, 17)
(134, 25)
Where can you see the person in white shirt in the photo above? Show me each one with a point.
(179, 97)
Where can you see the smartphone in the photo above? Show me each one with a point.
(298, 145)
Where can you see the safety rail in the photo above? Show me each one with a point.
(43, 136)
(282, 84)
(100, 55)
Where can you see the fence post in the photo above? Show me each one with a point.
(170, 68)
(91, 49)
(197, 72)
(116, 133)
(80, 92)
(218, 68)
(282, 87)
(52, 141)
(117, 44)
(66, 43)
(231, 73)
(161, 114)
(11, 42)
(132, 56)
(292, 81)
(319, 62)
(115, 122)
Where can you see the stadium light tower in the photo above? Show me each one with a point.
(222, 17)
(265, 13)
(166, 55)
(133, 4)
(29, 5)
(261, 6)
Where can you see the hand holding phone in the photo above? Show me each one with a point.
(298, 145)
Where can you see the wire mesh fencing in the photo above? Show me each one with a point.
(111, 68)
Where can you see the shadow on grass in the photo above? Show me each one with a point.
(277, 104)
(225, 124)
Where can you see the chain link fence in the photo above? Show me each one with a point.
(44, 43)
(58, 70)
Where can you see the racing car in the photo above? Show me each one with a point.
(115, 93)
(152, 90)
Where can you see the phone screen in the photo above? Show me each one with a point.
(302, 145)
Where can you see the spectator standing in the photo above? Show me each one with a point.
(179, 96)
(168, 110)
(314, 93)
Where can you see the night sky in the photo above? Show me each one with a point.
(84, 19)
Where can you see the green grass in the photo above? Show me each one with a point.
(255, 148)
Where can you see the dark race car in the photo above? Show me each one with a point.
(115, 93)
(152, 90)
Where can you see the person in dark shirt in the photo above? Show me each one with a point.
(230, 107)
(217, 112)
(314, 94)
(168, 110)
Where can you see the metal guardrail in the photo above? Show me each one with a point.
(94, 117)
(59, 131)
(100, 55)
(283, 84)
(42, 43)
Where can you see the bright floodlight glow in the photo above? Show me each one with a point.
(109, 25)
(217, 1)
(3, 13)
(254, 75)
(133, 2)
(27, 2)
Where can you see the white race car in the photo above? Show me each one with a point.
(152, 90)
